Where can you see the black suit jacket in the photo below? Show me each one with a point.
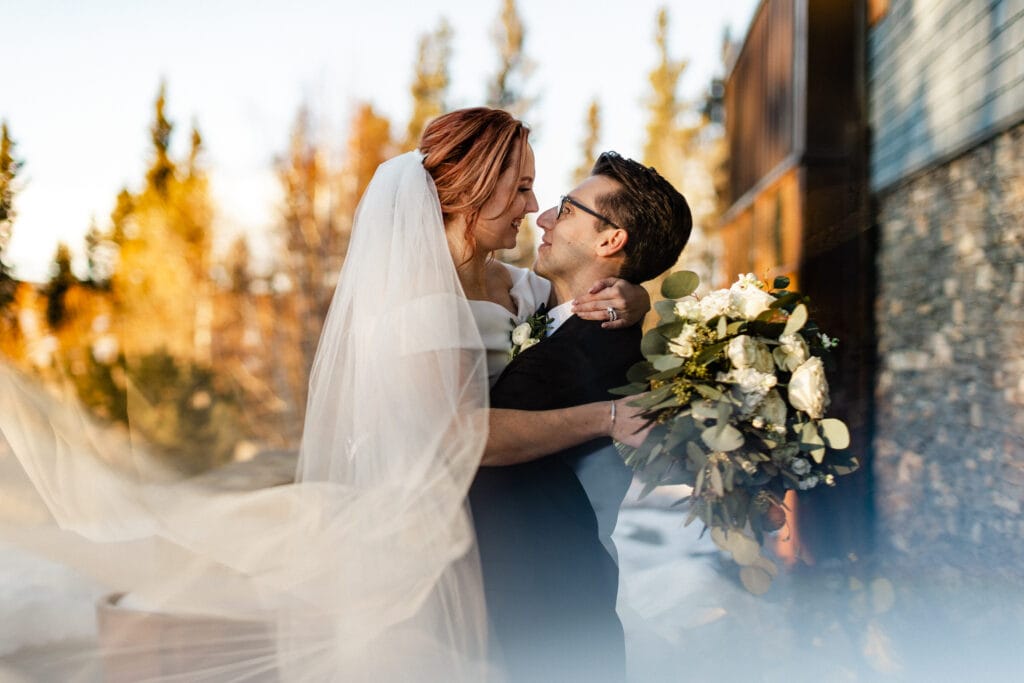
(550, 583)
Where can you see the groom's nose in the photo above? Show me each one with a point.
(547, 219)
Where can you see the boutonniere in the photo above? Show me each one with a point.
(527, 334)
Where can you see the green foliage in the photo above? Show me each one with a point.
(680, 284)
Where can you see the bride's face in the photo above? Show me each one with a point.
(498, 223)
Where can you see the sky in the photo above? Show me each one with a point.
(79, 80)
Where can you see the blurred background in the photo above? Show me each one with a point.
(177, 188)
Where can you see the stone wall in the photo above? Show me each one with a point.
(949, 467)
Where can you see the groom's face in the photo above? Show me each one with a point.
(571, 238)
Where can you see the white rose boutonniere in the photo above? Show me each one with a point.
(529, 333)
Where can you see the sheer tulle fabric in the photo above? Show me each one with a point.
(366, 566)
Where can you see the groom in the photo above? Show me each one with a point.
(549, 579)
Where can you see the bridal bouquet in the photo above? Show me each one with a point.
(735, 385)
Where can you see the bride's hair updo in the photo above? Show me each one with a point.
(465, 152)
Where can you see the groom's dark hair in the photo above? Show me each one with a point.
(654, 213)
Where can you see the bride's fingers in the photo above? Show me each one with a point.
(599, 311)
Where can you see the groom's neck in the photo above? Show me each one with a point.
(574, 285)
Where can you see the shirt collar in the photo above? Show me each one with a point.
(559, 314)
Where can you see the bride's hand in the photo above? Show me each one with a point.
(629, 427)
(630, 302)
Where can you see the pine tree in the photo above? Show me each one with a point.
(238, 266)
(61, 280)
(162, 169)
(661, 148)
(430, 81)
(506, 90)
(588, 147)
(9, 167)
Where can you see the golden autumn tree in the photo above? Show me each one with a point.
(430, 81)
(681, 143)
(507, 90)
(588, 146)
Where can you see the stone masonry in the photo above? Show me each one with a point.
(949, 462)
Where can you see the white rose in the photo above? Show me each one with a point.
(808, 483)
(747, 352)
(808, 389)
(751, 387)
(521, 334)
(688, 308)
(530, 341)
(682, 344)
(800, 466)
(715, 304)
(749, 302)
(791, 352)
(773, 410)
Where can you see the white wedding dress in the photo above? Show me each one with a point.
(365, 568)
(495, 322)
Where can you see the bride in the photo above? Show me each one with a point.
(366, 567)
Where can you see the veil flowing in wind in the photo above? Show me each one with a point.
(366, 566)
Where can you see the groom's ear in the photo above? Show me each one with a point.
(611, 241)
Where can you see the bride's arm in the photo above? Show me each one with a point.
(631, 302)
(518, 436)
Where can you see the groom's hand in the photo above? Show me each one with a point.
(630, 302)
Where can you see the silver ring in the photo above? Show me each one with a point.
(612, 314)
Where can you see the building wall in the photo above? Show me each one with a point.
(942, 74)
(949, 446)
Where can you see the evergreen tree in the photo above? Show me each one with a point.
(662, 146)
(61, 280)
(588, 147)
(97, 257)
(238, 266)
(162, 169)
(9, 167)
(430, 81)
(506, 89)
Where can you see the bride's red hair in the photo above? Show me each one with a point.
(465, 152)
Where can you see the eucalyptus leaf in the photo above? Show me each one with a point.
(711, 352)
(786, 300)
(722, 437)
(629, 389)
(696, 454)
(797, 319)
(780, 282)
(755, 580)
(811, 442)
(716, 481)
(679, 284)
(698, 485)
(662, 363)
(666, 309)
(723, 327)
(653, 344)
(835, 432)
(639, 372)
(708, 392)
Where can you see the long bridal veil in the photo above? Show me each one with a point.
(366, 566)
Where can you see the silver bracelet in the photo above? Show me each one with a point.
(613, 409)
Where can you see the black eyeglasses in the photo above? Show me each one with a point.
(566, 199)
